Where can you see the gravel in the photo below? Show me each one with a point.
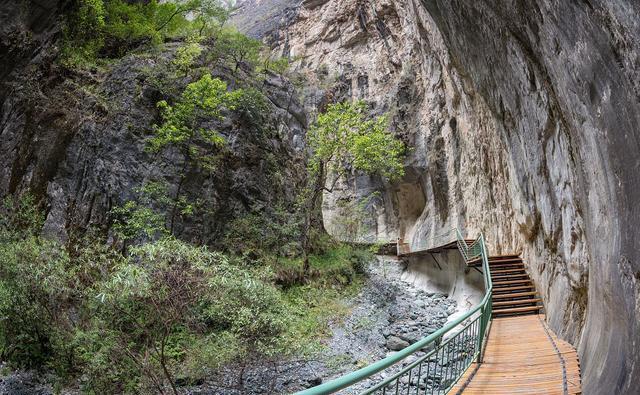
(386, 316)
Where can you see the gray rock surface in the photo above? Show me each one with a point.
(77, 140)
(24, 383)
(522, 118)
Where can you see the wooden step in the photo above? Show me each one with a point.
(514, 295)
(509, 282)
(510, 289)
(510, 266)
(504, 256)
(517, 310)
(508, 276)
(498, 263)
(505, 262)
(507, 271)
(516, 302)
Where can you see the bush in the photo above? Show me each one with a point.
(167, 297)
(36, 288)
(19, 218)
(166, 312)
(260, 236)
(235, 49)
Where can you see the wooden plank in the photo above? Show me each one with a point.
(521, 359)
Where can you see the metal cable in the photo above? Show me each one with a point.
(565, 387)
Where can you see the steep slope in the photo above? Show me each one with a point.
(77, 139)
(523, 122)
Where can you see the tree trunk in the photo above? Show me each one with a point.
(314, 202)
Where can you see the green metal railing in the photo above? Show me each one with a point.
(437, 361)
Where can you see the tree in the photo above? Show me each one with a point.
(111, 28)
(236, 48)
(181, 128)
(342, 140)
(170, 302)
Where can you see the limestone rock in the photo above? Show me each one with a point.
(522, 119)
(396, 344)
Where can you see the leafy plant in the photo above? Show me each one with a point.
(36, 283)
(342, 140)
(111, 28)
(19, 217)
(201, 100)
(235, 48)
(187, 54)
(155, 305)
(166, 310)
(276, 65)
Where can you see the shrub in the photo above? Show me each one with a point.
(84, 30)
(19, 218)
(186, 55)
(252, 106)
(262, 235)
(202, 100)
(166, 312)
(167, 297)
(36, 288)
(234, 49)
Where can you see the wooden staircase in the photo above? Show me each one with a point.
(513, 291)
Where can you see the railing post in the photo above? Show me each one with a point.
(481, 333)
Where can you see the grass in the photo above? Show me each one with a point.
(322, 301)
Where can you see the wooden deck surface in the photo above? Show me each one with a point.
(520, 358)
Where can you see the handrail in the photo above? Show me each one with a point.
(454, 352)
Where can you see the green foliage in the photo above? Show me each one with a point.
(19, 218)
(236, 48)
(144, 218)
(314, 305)
(277, 65)
(134, 221)
(166, 310)
(86, 25)
(261, 236)
(201, 100)
(36, 282)
(167, 295)
(343, 137)
(186, 55)
(111, 28)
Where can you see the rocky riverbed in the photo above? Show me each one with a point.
(387, 315)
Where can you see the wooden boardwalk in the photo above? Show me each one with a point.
(523, 356)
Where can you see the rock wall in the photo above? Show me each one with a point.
(446, 273)
(77, 139)
(522, 119)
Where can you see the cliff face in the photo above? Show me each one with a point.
(77, 140)
(522, 118)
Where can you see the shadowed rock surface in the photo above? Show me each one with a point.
(78, 141)
(523, 123)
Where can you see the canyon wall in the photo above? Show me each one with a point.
(77, 139)
(521, 119)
